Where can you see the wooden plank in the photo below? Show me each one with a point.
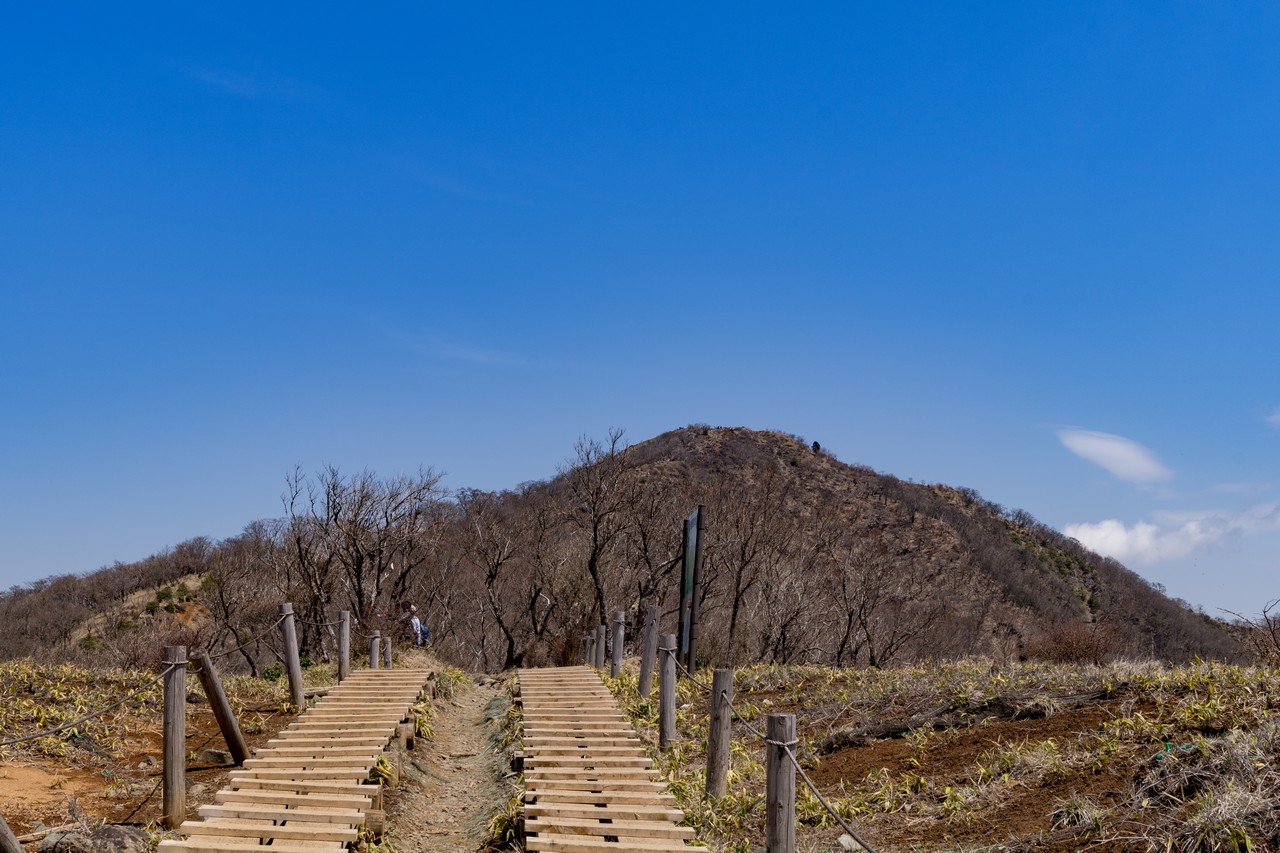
(604, 740)
(583, 844)
(592, 773)
(205, 844)
(584, 746)
(591, 811)
(319, 800)
(570, 796)
(336, 740)
(354, 773)
(306, 786)
(349, 817)
(536, 784)
(365, 761)
(585, 730)
(538, 762)
(321, 729)
(620, 828)
(266, 829)
(323, 749)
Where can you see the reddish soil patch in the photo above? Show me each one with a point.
(1012, 809)
(950, 756)
(37, 791)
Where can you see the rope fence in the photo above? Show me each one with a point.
(786, 747)
(245, 645)
(314, 624)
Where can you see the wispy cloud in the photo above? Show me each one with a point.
(436, 348)
(476, 355)
(1124, 458)
(1241, 488)
(1273, 419)
(452, 185)
(1170, 535)
(260, 87)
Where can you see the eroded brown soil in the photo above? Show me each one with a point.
(38, 792)
(450, 782)
(1011, 810)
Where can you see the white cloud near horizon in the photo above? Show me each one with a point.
(1170, 535)
(1123, 457)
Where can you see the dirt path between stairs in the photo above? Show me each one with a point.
(451, 782)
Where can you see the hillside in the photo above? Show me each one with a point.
(807, 560)
(991, 580)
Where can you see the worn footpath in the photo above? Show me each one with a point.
(450, 783)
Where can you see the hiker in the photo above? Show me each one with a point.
(415, 625)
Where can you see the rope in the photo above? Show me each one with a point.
(814, 788)
(672, 654)
(246, 643)
(784, 745)
(93, 714)
(144, 800)
(314, 624)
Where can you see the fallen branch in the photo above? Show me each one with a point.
(49, 830)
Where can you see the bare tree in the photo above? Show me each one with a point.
(232, 591)
(492, 539)
(752, 539)
(602, 496)
(363, 535)
(887, 602)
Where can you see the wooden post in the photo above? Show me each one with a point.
(291, 662)
(682, 612)
(587, 654)
(375, 649)
(174, 800)
(619, 640)
(649, 651)
(221, 707)
(780, 786)
(667, 691)
(344, 644)
(602, 644)
(694, 608)
(386, 652)
(718, 737)
(8, 841)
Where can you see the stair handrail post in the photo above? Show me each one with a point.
(222, 710)
(667, 692)
(649, 652)
(619, 640)
(174, 799)
(344, 644)
(292, 662)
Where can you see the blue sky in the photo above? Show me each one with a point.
(1028, 248)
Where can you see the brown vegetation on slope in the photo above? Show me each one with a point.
(807, 559)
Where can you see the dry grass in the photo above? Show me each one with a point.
(1162, 758)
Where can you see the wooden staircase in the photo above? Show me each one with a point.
(307, 790)
(589, 784)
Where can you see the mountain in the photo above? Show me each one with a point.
(920, 569)
(806, 559)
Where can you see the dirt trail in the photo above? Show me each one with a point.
(450, 783)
